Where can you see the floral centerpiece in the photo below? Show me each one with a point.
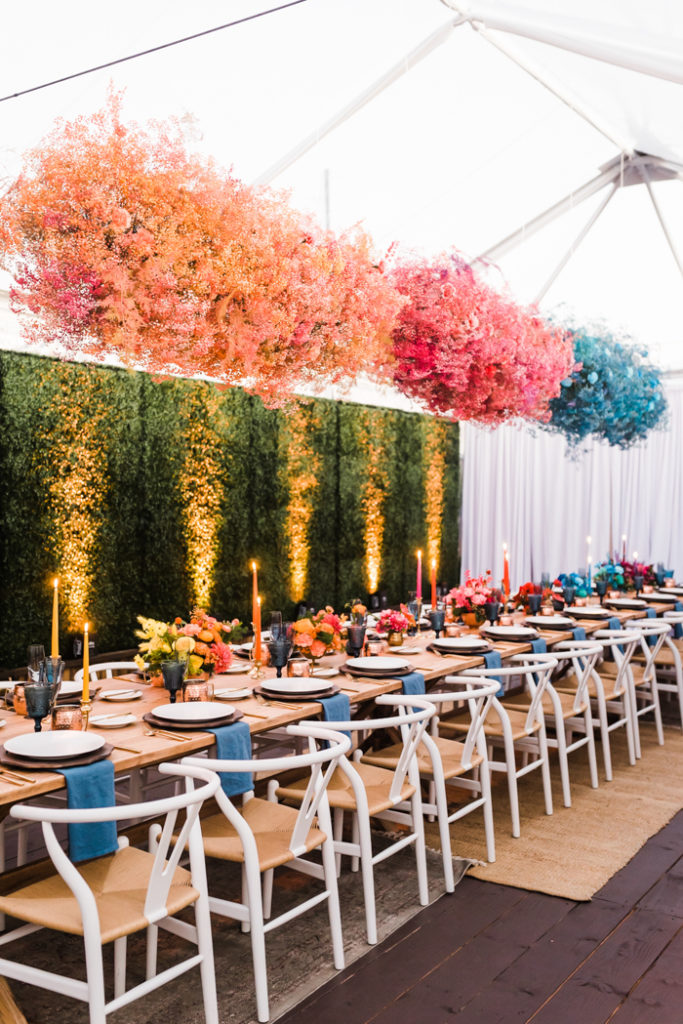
(396, 623)
(317, 635)
(471, 596)
(203, 642)
(620, 575)
(528, 590)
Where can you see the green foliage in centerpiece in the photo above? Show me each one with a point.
(150, 496)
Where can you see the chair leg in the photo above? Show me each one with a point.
(330, 878)
(152, 944)
(245, 926)
(630, 729)
(604, 737)
(207, 969)
(657, 712)
(563, 761)
(511, 768)
(420, 851)
(354, 839)
(444, 834)
(268, 893)
(545, 770)
(485, 782)
(95, 976)
(338, 831)
(368, 877)
(592, 759)
(120, 947)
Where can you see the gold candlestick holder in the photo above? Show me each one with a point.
(86, 705)
(257, 671)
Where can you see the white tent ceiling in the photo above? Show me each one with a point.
(461, 150)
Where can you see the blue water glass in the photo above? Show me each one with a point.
(174, 674)
(280, 651)
(534, 602)
(356, 636)
(38, 697)
(437, 617)
(568, 593)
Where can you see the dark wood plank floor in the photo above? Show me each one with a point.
(490, 953)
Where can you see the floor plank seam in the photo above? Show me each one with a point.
(639, 981)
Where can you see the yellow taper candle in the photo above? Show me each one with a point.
(55, 619)
(86, 663)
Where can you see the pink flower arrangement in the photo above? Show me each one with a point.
(470, 353)
(394, 622)
(472, 595)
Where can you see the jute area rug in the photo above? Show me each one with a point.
(574, 851)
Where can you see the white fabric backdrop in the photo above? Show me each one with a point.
(520, 487)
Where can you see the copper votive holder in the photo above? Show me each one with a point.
(506, 620)
(197, 689)
(67, 716)
(298, 667)
(547, 610)
(648, 589)
(613, 594)
(580, 601)
(374, 647)
(452, 629)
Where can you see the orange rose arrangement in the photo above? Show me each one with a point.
(317, 635)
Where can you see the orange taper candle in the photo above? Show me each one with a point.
(86, 663)
(506, 572)
(257, 630)
(55, 620)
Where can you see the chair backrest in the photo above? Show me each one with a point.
(623, 644)
(535, 669)
(166, 858)
(478, 697)
(106, 670)
(325, 749)
(653, 633)
(583, 655)
(411, 714)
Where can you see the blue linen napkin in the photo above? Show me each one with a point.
(233, 743)
(678, 628)
(539, 646)
(337, 708)
(91, 785)
(492, 659)
(413, 683)
(579, 633)
(614, 623)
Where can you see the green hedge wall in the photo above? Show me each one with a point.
(103, 469)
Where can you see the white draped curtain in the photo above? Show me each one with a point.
(520, 487)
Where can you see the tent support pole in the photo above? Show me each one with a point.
(388, 78)
(576, 243)
(560, 93)
(662, 222)
(548, 216)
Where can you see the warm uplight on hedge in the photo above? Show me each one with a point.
(373, 504)
(303, 467)
(434, 463)
(201, 491)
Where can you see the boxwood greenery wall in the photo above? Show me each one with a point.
(143, 495)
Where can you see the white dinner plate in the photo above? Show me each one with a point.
(69, 689)
(624, 602)
(325, 673)
(661, 595)
(295, 684)
(376, 664)
(236, 670)
(233, 693)
(510, 632)
(121, 695)
(461, 643)
(7, 684)
(588, 612)
(673, 590)
(193, 711)
(51, 746)
(549, 621)
(112, 721)
(407, 650)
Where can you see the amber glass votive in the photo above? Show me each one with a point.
(197, 689)
(374, 647)
(67, 716)
(298, 667)
(547, 610)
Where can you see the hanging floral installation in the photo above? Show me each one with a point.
(614, 394)
(121, 244)
(466, 351)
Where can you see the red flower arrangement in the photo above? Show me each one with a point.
(395, 621)
(470, 353)
(473, 594)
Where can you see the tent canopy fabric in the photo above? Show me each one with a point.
(463, 148)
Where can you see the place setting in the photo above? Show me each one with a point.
(377, 666)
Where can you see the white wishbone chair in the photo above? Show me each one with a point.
(444, 762)
(106, 670)
(366, 791)
(567, 712)
(643, 673)
(609, 689)
(111, 897)
(264, 835)
(669, 662)
(514, 730)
